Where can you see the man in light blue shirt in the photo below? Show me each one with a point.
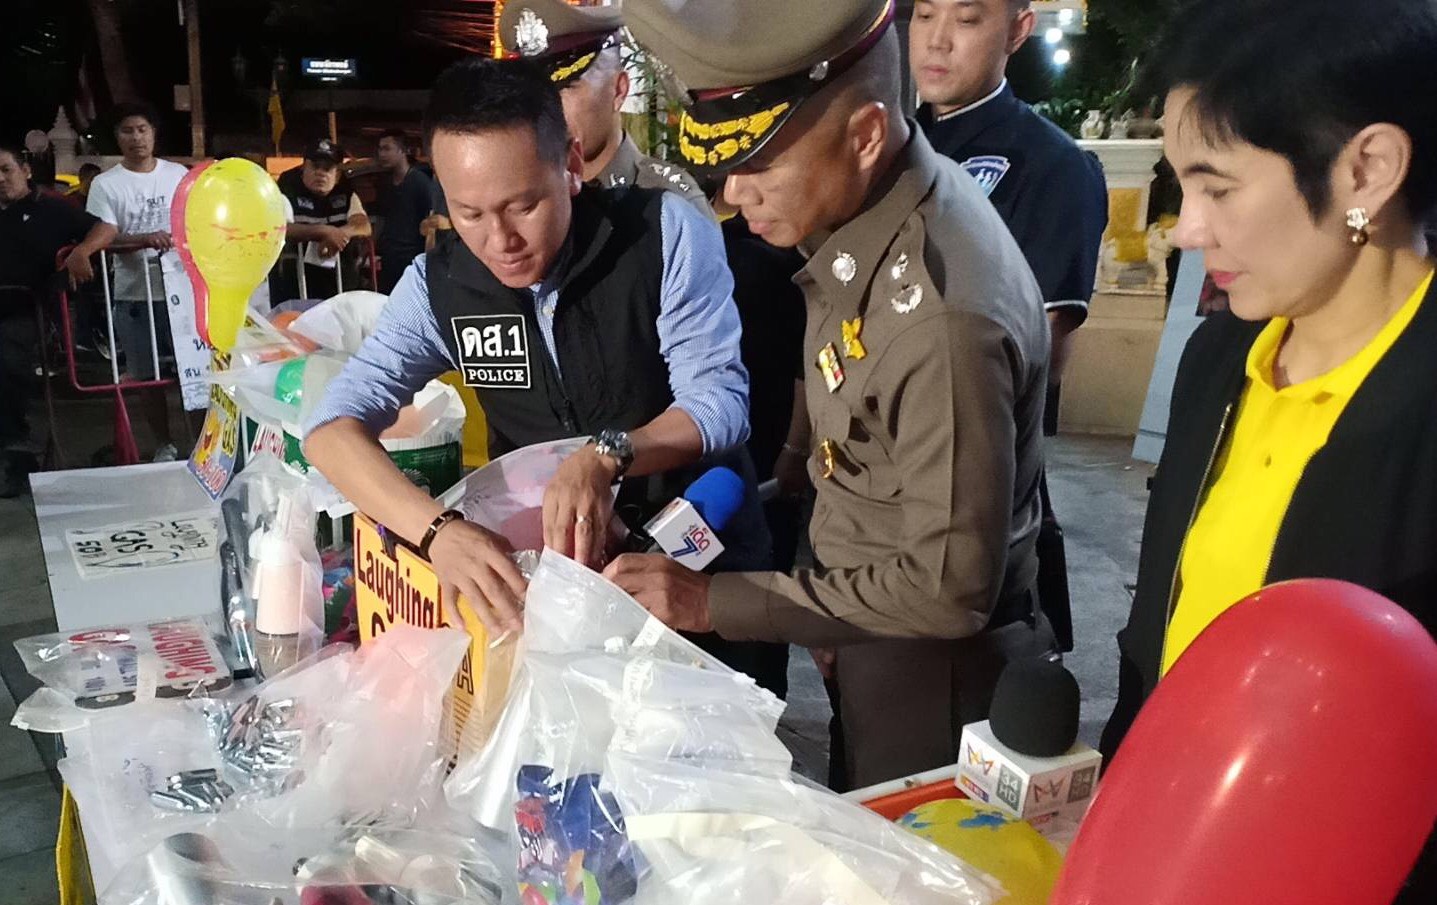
(570, 311)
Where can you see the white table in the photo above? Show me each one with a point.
(94, 497)
(90, 498)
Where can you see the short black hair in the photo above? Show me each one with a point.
(1302, 79)
(399, 136)
(16, 150)
(479, 94)
(124, 111)
(88, 168)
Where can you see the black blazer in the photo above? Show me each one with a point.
(1364, 511)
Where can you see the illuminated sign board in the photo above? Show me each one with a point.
(329, 70)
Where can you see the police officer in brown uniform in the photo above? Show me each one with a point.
(579, 47)
(928, 348)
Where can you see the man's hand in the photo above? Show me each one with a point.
(676, 594)
(432, 224)
(475, 563)
(826, 659)
(78, 266)
(160, 240)
(578, 504)
(334, 241)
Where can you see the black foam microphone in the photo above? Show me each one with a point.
(1035, 707)
(1025, 758)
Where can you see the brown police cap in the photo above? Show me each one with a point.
(749, 64)
(564, 39)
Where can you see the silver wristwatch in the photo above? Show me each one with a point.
(617, 446)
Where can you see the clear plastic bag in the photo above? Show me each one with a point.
(583, 639)
(506, 496)
(714, 835)
(116, 762)
(629, 765)
(345, 737)
(351, 735)
(341, 323)
(571, 608)
(98, 669)
(226, 862)
(272, 580)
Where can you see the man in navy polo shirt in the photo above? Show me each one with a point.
(1049, 191)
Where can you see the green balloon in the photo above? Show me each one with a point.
(289, 382)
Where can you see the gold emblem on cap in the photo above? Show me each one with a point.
(564, 73)
(908, 298)
(852, 345)
(531, 35)
(731, 136)
(845, 268)
(900, 267)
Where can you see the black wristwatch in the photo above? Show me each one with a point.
(617, 446)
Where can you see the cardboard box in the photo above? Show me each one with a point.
(395, 584)
(1026, 787)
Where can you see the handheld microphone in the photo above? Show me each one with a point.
(1025, 759)
(686, 530)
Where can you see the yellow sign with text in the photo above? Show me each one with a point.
(395, 584)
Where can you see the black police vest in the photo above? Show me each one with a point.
(611, 373)
(331, 210)
(607, 340)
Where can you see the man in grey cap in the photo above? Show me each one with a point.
(579, 48)
(929, 348)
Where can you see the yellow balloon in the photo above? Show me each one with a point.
(1009, 850)
(230, 217)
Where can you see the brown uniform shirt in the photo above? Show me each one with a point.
(930, 515)
(630, 167)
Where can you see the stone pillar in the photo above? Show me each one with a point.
(1112, 356)
(65, 142)
(1124, 265)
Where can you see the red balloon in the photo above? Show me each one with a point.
(1289, 756)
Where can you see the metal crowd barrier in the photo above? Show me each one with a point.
(125, 450)
(367, 256)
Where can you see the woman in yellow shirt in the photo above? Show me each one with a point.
(1303, 433)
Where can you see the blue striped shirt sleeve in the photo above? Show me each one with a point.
(699, 328)
(404, 353)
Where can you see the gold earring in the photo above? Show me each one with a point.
(1358, 222)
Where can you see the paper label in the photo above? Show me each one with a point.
(149, 544)
(213, 460)
(192, 354)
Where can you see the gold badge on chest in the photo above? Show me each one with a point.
(830, 367)
(826, 460)
(852, 344)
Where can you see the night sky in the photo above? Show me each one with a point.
(41, 56)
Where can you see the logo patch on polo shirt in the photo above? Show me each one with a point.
(493, 351)
(988, 170)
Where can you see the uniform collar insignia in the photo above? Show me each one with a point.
(868, 237)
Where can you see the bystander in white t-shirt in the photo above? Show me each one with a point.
(136, 203)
